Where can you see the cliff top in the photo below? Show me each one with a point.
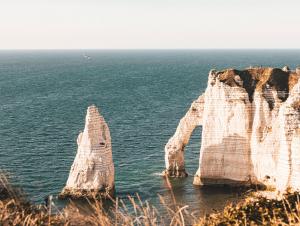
(260, 78)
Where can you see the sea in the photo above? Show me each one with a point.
(142, 94)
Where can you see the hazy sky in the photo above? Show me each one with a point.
(118, 24)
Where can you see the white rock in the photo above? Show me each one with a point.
(286, 69)
(243, 141)
(92, 172)
(225, 147)
(174, 150)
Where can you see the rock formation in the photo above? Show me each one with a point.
(92, 172)
(174, 157)
(250, 129)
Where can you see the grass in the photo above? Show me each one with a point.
(16, 210)
(259, 211)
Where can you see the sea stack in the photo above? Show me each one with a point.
(250, 129)
(92, 172)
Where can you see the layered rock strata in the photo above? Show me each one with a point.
(92, 172)
(250, 129)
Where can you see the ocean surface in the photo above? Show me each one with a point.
(142, 95)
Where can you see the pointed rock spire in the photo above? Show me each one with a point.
(92, 172)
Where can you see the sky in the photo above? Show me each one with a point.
(149, 24)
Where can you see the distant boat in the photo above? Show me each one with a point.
(87, 57)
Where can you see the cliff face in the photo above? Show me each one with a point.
(250, 129)
(92, 172)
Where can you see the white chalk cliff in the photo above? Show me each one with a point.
(92, 172)
(250, 130)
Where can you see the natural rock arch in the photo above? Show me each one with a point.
(174, 149)
(250, 129)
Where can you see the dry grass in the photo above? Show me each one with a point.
(15, 210)
(262, 211)
(137, 212)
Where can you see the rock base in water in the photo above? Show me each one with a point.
(108, 193)
(174, 173)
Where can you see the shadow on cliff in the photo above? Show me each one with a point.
(228, 163)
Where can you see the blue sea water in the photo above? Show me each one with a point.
(142, 95)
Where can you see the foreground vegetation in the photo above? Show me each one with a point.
(258, 211)
(16, 210)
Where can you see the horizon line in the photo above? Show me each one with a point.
(118, 49)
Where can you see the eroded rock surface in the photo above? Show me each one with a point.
(92, 172)
(250, 129)
(174, 150)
